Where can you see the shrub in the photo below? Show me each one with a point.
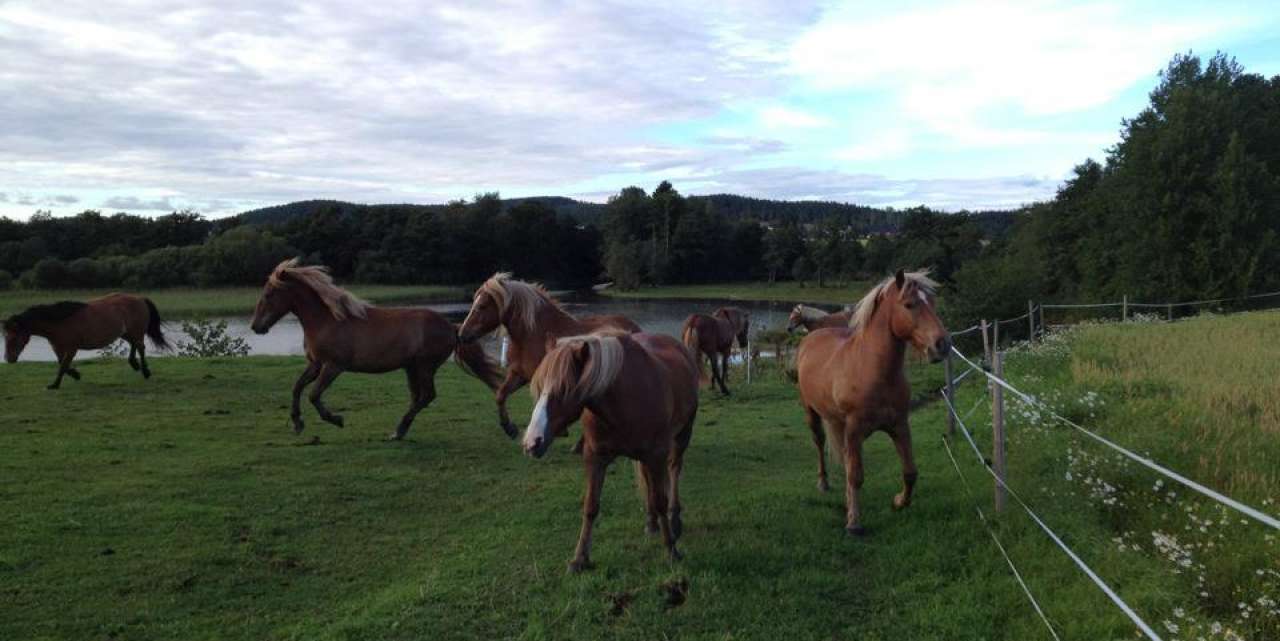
(209, 339)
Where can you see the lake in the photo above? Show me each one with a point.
(658, 316)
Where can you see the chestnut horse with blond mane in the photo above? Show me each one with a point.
(852, 382)
(342, 333)
(530, 315)
(70, 326)
(637, 395)
(812, 318)
(713, 335)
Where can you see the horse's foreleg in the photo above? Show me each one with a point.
(820, 442)
(853, 480)
(142, 358)
(327, 374)
(64, 366)
(422, 389)
(595, 469)
(902, 442)
(512, 383)
(295, 413)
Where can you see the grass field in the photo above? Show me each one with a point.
(182, 507)
(834, 294)
(225, 301)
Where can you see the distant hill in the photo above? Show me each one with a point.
(872, 219)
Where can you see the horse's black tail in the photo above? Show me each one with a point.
(154, 331)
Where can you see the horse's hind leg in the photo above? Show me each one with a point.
(295, 413)
(659, 502)
(142, 359)
(902, 442)
(327, 373)
(422, 390)
(819, 441)
(675, 468)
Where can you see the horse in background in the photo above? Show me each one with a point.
(637, 395)
(812, 318)
(852, 380)
(713, 335)
(342, 333)
(70, 326)
(529, 314)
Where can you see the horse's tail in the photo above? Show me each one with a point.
(472, 359)
(689, 336)
(154, 330)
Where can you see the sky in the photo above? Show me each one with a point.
(229, 105)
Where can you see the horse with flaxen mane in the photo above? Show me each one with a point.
(529, 315)
(70, 326)
(852, 382)
(637, 395)
(714, 334)
(812, 318)
(342, 333)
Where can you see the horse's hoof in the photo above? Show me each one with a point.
(900, 502)
(146, 373)
(578, 566)
(856, 530)
(509, 430)
(651, 527)
(395, 436)
(823, 486)
(677, 526)
(75, 376)
(675, 555)
(335, 420)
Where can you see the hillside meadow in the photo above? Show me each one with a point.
(183, 507)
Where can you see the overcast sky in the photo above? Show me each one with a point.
(224, 106)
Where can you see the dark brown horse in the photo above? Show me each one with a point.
(851, 380)
(530, 315)
(812, 318)
(342, 333)
(713, 335)
(637, 395)
(71, 326)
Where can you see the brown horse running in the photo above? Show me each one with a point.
(712, 335)
(812, 318)
(342, 333)
(71, 326)
(529, 315)
(637, 395)
(851, 380)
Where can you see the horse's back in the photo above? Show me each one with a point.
(680, 368)
(617, 321)
(836, 320)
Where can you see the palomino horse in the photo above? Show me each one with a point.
(342, 333)
(529, 315)
(712, 335)
(851, 379)
(637, 395)
(71, 326)
(812, 318)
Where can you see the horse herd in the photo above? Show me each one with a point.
(635, 393)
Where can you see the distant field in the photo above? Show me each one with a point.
(832, 295)
(182, 507)
(225, 301)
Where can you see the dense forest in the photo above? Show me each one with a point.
(1183, 206)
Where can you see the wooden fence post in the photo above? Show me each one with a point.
(1169, 311)
(986, 345)
(1044, 329)
(1124, 313)
(1031, 322)
(951, 396)
(995, 338)
(997, 431)
(748, 355)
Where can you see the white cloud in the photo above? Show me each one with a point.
(778, 117)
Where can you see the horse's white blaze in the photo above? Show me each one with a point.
(537, 424)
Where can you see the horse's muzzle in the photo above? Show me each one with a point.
(939, 350)
(538, 449)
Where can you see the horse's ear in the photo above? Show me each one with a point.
(899, 278)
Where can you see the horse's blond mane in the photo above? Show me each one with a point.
(863, 311)
(341, 303)
(809, 313)
(523, 299)
(558, 372)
